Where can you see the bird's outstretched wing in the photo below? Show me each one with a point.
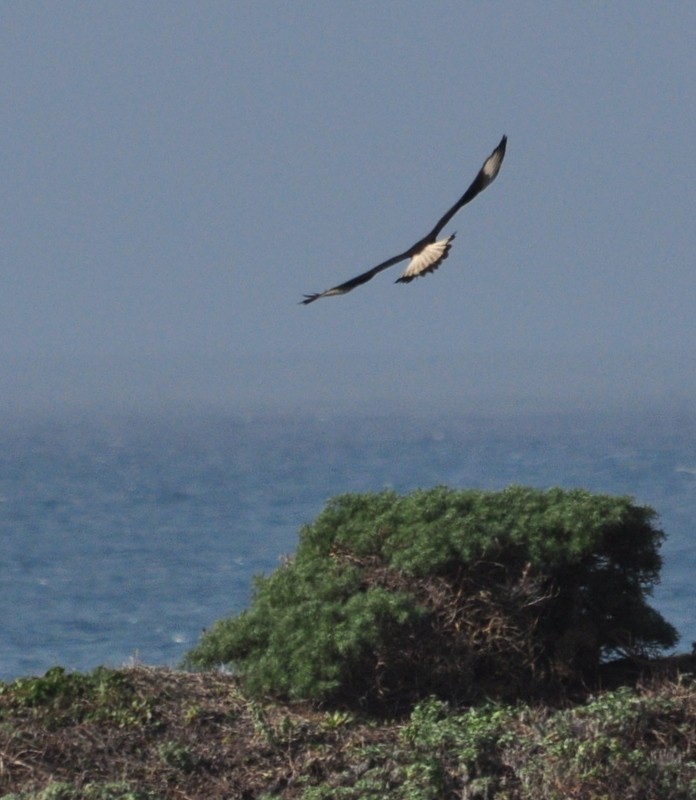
(426, 254)
(342, 288)
(486, 175)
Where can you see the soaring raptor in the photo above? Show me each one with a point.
(427, 253)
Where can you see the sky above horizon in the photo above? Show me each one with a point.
(176, 175)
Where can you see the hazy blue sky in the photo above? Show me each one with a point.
(175, 175)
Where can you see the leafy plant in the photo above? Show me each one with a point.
(67, 698)
(64, 791)
(643, 744)
(337, 719)
(460, 594)
(629, 744)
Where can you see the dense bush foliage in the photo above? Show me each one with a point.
(459, 594)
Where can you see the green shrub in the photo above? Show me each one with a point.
(622, 744)
(459, 594)
(67, 698)
(63, 791)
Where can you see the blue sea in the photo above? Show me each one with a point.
(124, 536)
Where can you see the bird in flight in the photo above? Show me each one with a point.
(427, 253)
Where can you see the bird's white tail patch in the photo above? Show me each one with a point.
(427, 260)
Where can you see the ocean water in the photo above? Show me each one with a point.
(124, 536)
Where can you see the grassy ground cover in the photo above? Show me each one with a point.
(150, 734)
